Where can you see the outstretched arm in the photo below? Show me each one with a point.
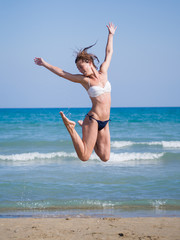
(71, 77)
(109, 48)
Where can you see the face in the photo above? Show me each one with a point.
(84, 67)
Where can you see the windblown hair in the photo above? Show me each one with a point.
(86, 57)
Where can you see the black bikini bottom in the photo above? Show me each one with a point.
(101, 124)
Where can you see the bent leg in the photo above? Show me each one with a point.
(84, 146)
(102, 146)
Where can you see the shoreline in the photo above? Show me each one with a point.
(90, 213)
(91, 228)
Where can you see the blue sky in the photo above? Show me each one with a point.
(145, 68)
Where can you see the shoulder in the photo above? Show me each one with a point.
(84, 81)
(103, 68)
(103, 74)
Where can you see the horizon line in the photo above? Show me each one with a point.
(87, 107)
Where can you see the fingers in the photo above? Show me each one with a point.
(35, 59)
(38, 61)
(111, 27)
(111, 24)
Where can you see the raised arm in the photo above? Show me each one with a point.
(109, 48)
(78, 78)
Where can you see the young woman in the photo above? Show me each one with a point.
(95, 127)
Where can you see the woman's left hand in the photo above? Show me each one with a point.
(111, 27)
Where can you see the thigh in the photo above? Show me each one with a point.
(89, 134)
(103, 147)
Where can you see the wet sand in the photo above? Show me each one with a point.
(90, 228)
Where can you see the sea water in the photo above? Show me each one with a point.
(41, 175)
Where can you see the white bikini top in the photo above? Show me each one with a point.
(95, 91)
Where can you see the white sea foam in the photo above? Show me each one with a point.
(158, 203)
(121, 144)
(126, 156)
(172, 144)
(115, 157)
(98, 203)
(122, 157)
(164, 144)
(36, 155)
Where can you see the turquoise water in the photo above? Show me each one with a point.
(41, 175)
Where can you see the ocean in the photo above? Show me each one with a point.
(41, 175)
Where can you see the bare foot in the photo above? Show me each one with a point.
(70, 125)
(80, 122)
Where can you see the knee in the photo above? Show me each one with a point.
(104, 158)
(84, 158)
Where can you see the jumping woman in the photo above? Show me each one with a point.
(95, 127)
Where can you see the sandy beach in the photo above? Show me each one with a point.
(90, 228)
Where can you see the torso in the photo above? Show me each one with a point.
(100, 104)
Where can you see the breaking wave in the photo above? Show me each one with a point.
(164, 144)
(115, 157)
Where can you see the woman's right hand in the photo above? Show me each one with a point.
(39, 61)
